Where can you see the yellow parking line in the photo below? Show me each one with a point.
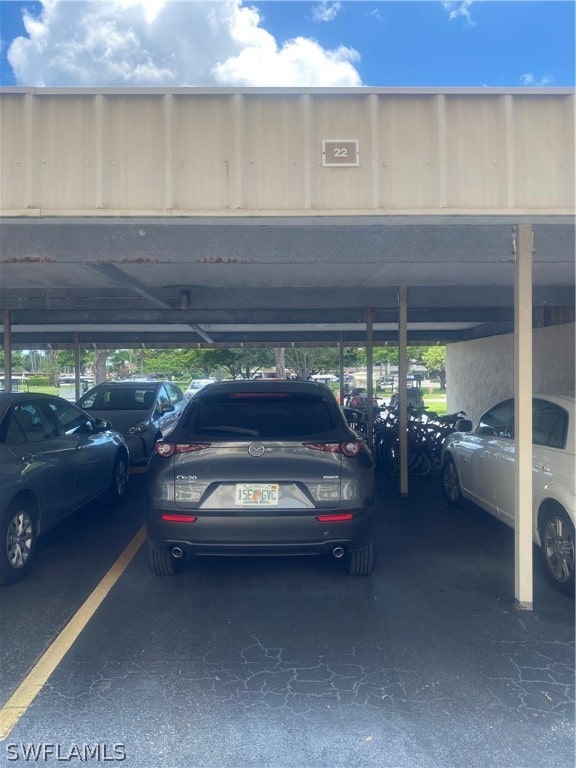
(33, 683)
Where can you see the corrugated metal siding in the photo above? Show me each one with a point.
(14, 160)
(188, 152)
(408, 138)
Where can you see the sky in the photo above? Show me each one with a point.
(238, 43)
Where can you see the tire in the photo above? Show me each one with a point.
(18, 534)
(383, 440)
(361, 561)
(557, 548)
(451, 483)
(119, 479)
(162, 563)
(418, 463)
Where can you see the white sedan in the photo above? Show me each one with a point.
(479, 466)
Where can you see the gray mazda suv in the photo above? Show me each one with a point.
(261, 468)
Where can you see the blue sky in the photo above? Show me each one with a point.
(166, 43)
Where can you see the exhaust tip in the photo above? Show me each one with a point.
(177, 553)
(338, 552)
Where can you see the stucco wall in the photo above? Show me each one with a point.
(480, 373)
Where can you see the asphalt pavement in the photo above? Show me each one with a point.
(292, 663)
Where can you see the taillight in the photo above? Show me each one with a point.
(325, 447)
(179, 518)
(351, 448)
(165, 449)
(335, 518)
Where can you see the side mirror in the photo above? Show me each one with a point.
(163, 408)
(463, 425)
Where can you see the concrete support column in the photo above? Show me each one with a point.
(7, 350)
(523, 574)
(341, 368)
(402, 390)
(370, 377)
(77, 365)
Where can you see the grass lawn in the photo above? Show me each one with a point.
(436, 402)
(66, 390)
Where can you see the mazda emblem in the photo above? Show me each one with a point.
(256, 449)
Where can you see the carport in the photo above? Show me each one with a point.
(287, 216)
(194, 218)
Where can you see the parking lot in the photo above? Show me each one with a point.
(291, 663)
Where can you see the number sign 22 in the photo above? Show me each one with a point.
(340, 152)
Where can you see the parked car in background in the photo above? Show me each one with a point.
(195, 386)
(143, 411)
(261, 467)
(54, 459)
(479, 466)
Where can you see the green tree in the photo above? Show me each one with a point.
(247, 362)
(67, 360)
(164, 362)
(390, 354)
(18, 361)
(434, 358)
(53, 370)
(34, 361)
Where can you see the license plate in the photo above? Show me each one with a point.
(257, 494)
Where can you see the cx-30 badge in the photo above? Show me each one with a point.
(256, 449)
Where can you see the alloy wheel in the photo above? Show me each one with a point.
(450, 482)
(121, 477)
(558, 547)
(19, 539)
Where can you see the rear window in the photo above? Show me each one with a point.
(118, 399)
(279, 415)
(549, 424)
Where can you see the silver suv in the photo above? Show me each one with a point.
(261, 467)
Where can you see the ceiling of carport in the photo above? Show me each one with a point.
(169, 281)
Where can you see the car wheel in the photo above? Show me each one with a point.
(361, 561)
(451, 483)
(557, 548)
(18, 541)
(119, 479)
(162, 562)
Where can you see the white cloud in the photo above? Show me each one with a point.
(459, 8)
(168, 43)
(326, 11)
(529, 79)
(298, 61)
(376, 13)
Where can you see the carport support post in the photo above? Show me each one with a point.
(370, 377)
(341, 368)
(77, 364)
(7, 350)
(523, 416)
(402, 386)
